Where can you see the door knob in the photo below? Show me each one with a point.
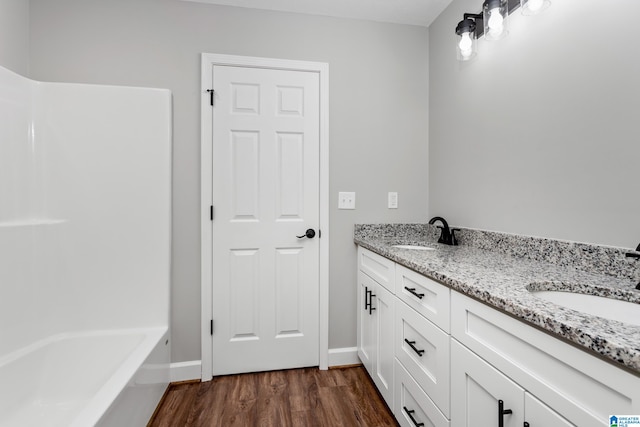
(309, 234)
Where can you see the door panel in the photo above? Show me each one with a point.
(265, 193)
(289, 296)
(290, 189)
(243, 280)
(245, 162)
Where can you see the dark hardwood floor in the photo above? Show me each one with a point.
(298, 397)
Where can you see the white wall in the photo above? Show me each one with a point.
(539, 134)
(378, 113)
(14, 35)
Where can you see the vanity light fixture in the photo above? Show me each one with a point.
(492, 23)
(494, 15)
(467, 45)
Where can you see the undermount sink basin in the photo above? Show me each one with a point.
(414, 247)
(608, 308)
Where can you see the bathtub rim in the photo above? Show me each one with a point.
(100, 402)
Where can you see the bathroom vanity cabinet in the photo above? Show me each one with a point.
(405, 351)
(450, 360)
(541, 377)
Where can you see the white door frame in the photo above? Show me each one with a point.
(206, 157)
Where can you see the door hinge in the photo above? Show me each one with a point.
(211, 327)
(211, 92)
(211, 212)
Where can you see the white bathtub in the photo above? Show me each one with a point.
(85, 252)
(79, 379)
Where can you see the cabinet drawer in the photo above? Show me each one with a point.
(426, 296)
(581, 387)
(379, 268)
(424, 349)
(412, 405)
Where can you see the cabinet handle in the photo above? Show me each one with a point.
(502, 412)
(413, 291)
(411, 344)
(371, 307)
(367, 302)
(413, 420)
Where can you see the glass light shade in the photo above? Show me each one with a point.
(495, 13)
(533, 7)
(466, 43)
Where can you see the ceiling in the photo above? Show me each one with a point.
(411, 12)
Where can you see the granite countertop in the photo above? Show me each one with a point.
(502, 281)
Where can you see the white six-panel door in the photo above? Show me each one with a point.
(265, 190)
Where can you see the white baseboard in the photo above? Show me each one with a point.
(185, 371)
(192, 370)
(343, 356)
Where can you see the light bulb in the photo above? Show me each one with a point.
(466, 45)
(496, 22)
(535, 5)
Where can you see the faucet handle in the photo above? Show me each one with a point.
(454, 241)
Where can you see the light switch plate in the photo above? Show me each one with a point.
(346, 200)
(392, 200)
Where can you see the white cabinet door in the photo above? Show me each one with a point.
(383, 307)
(366, 287)
(478, 390)
(537, 414)
(376, 312)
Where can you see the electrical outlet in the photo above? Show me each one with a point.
(346, 200)
(392, 200)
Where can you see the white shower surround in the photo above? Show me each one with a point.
(85, 217)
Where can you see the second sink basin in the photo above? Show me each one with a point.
(414, 247)
(608, 308)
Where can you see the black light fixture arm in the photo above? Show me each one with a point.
(476, 19)
(479, 18)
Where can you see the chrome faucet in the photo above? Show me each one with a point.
(637, 257)
(447, 236)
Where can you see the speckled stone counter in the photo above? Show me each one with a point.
(499, 269)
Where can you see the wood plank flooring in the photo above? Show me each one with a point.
(299, 397)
